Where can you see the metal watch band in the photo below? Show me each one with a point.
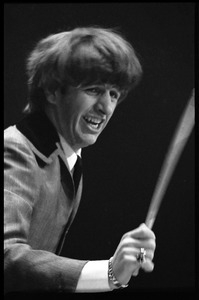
(112, 277)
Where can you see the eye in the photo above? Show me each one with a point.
(115, 94)
(93, 90)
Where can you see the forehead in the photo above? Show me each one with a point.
(107, 86)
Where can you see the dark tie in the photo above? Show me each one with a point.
(76, 178)
(77, 172)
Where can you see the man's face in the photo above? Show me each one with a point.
(81, 114)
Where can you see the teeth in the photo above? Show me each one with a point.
(93, 121)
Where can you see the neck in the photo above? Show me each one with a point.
(52, 117)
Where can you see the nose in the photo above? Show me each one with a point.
(104, 104)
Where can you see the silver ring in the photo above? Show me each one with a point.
(141, 256)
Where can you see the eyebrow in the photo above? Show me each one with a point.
(103, 85)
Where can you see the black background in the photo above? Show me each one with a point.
(121, 169)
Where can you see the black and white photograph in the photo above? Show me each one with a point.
(99, 149)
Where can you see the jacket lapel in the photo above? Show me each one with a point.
(39, 130)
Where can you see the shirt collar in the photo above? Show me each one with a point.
(71, 155)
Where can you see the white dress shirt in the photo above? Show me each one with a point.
(71, 155)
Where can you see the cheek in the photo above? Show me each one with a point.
(73, 117)
(77, 106)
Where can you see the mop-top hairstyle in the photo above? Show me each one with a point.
(80, 57)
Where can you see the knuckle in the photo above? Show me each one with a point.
(127, 235)
(125, 259)
(126, 241)
(144, 227)
(123, 251)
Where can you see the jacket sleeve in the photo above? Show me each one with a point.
(27, 269)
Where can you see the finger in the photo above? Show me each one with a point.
(142, 232)
(148, 254)
(147, 265)
(136, 272)
(133, 252)
(146, 244)
(129, 241)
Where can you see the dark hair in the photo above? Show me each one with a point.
(82, 56)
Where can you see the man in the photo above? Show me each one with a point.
(76, 80)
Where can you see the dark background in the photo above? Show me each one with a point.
(121, 169)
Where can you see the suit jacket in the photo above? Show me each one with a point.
(40, 205)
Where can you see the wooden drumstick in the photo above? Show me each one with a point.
(175, 149)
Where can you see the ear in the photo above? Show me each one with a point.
(51, 97)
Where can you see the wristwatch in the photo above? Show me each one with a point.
(112, 277)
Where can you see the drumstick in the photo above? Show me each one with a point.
(175, 149)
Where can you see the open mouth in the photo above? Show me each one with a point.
(93, 122)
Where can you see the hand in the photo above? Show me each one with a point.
(125, 263)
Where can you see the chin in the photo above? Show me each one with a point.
(88, 141)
